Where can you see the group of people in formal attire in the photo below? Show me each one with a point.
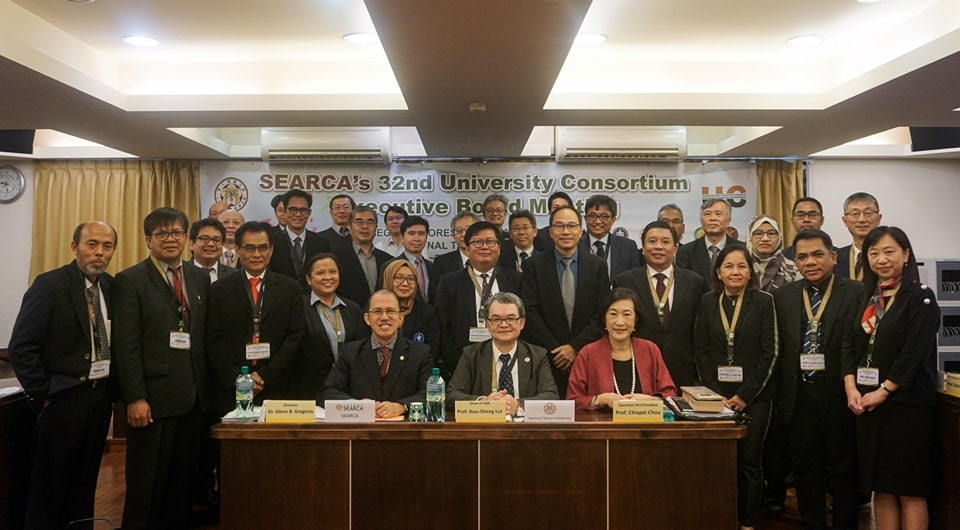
(833, 348)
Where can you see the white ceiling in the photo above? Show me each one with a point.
(224, 69)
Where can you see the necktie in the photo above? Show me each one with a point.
(485, 284)
(212, 271)
(228, 258)
(421, 284)
(567, 289)
(298, 250)
(523, 260)
(601, 249)
(384, 363)
(506, 376)
(101, 342)
(661, 294)
(713, 254)
(254, 290)
(178, 294)
(816, 298)
(344, 231)
(858, 268)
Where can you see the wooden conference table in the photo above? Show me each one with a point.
(585, 475)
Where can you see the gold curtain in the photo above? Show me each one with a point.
(779, 184)
(119, 192)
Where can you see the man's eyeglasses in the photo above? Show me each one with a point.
(510, 321)
(216, 240)
(390, 312)
(813, 216)
(250, 249)
(293, 210)
(479, 243)
(500, 211)
(559, 227)
(867, 214)
(162, 235)
(395, 219)
(364, 222)
(601, 216)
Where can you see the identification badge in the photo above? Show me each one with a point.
(260, 350)
(813, 362)
(730, 374)
(179, 340)
(99, 369)
(479, 334)
(868, 376)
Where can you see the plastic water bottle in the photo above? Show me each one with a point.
(436, 397)
(668, 414)
(244, 410)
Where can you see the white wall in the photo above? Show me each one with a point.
(17, 220)
(920, 196)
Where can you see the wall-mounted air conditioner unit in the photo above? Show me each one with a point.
(326, 144)
(621, 144)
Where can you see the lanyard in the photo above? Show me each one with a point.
(873, 336)
(493, 372)
(484, 294)
(853, 266)
(729, 327)
(661, 304)
(334, 320)
(257, 310)
(815, 319)
(183, 290)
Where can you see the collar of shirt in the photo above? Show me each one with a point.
(605, 239)
(497, 353)
(359, 251)
(719, 245)
(336, 301)
(463, 258)
(163, 266)
(529, 251)
(376, 345)
(822, 286)
(292, 236)
(202, 266)
(477, 273)
(668, 272)
(261, 275)
(560, 257)
(411, 258)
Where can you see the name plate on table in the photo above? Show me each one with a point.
(952, 385)
(641, 411)
(481, 411)
(289, 411)
(548, 411)
(350, 410)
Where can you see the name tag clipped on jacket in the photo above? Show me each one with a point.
(813, 362)
(868, 376)
(180, 340)
(730, 374)
(258, 350)
(99, 369)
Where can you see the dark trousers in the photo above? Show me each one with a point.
(67, 447)
(161, 468)
(776, 459)
(560, 377)
(824, 447)
(750, 463)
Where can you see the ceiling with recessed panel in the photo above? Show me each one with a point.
(223, 70)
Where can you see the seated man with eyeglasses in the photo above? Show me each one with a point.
(502, 368)
(385, 367)
(463, 295)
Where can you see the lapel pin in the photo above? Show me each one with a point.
(401, 357)
(526, 359)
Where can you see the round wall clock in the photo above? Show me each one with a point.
(11, 184)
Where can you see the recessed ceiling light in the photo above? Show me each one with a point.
(360, 38)
(591, 39)
(806, 41)
(141, 41)
(81, 1)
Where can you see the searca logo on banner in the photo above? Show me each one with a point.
(735, 196)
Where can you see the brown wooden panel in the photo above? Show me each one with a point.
(284, 484)
(673, 484)
(542, 484)
(414, 484)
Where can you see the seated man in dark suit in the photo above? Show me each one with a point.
(386, 367)
(360, 261)
(517, 369)
(699, 254)
(619, 252)
(523, 229)
(563, 289)
(670, 297)
(293, 245)
(462, 295)
(341, 208)
(861, 214)
(557, 199)
(456, 259)
(206, 244)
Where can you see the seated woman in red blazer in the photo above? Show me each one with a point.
(618, 366)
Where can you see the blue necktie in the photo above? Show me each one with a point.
(506, 376)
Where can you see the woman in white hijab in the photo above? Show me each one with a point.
(766, 247)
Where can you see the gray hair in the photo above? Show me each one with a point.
(507, 298)
(461, 215)
(861, 196)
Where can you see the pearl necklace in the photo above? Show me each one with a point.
(633, 372)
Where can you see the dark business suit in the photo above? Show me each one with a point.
(333, 238)
(282, 260)
(222, 270)
(356, 374)
(822, 430)
(542, 241)
(755, 350)
(546, 320)
(457, 310)
(675, 339)
(420, 325)
(353, 282)
(433, 279)
(508, 257)
(311, 368)
(694, 256)
(622, 253)
(473, 377)
(50, 350)
(230, 329)
(447, 262)
(161, 457)
(842, 268)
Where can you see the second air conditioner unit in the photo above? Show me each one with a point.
(621, 144)
(326, 144)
